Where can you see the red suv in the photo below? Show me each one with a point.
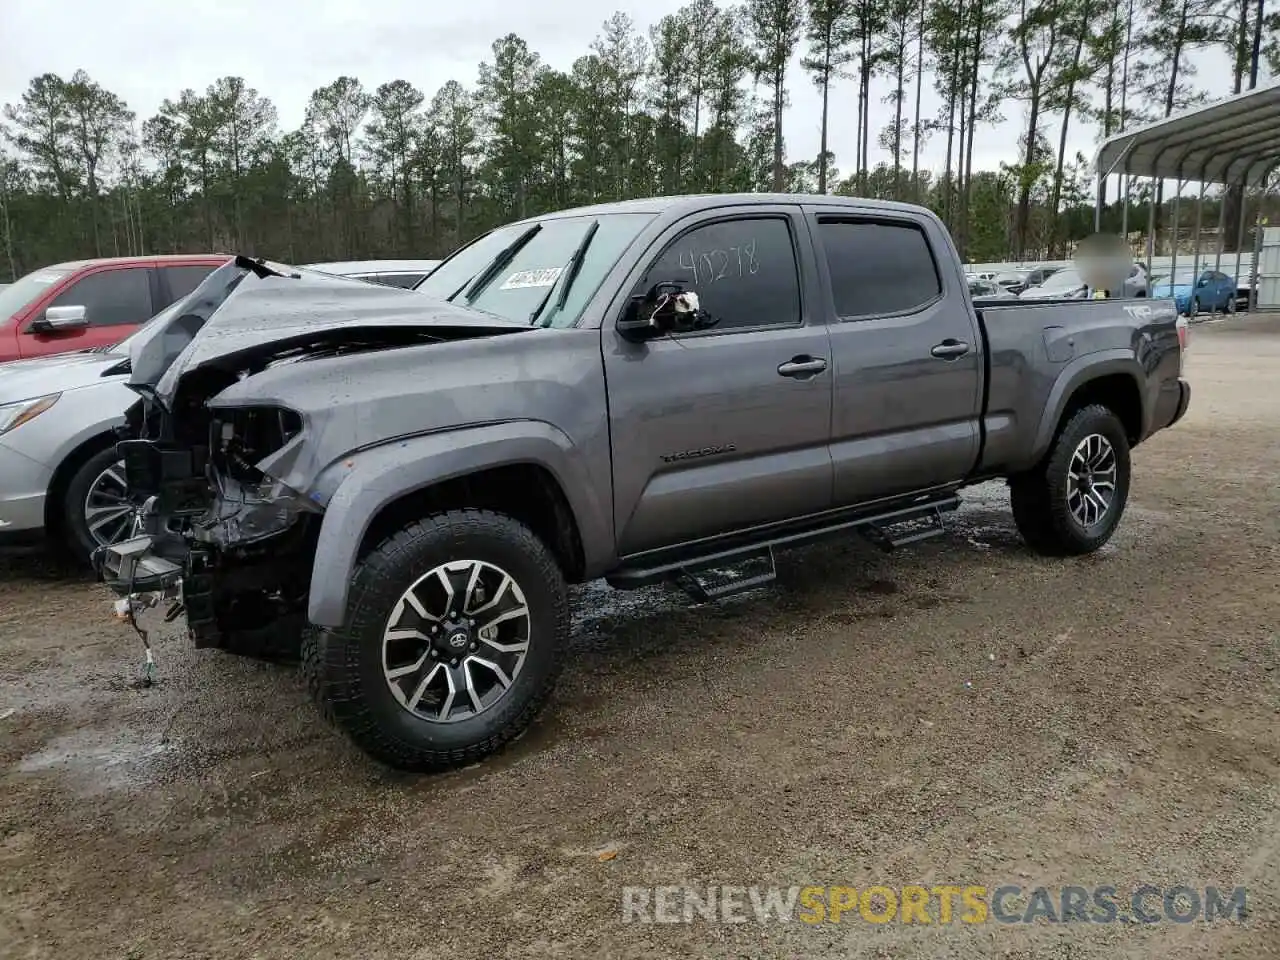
(93, 303)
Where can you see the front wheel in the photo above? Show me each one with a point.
(1072, 502)
(454, 637)
(96, 505)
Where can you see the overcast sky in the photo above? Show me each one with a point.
(146, 50)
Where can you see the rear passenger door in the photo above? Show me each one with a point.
(723, 428)
(907, 357)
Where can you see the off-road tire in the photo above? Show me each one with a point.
(1039, 496)
(346, 663)
(310, 669)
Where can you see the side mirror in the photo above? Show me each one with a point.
(1203, 282)
(61, 320)
(642, 320)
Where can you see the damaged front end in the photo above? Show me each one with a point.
(229, 543)
(245, 399)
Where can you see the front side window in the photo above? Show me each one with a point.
(878, 267)
(527, 288)
(743, 271)
(111, 298)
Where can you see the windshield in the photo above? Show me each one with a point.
(1004, 278)
(20, 293)
(538, 268)
(1063, 280)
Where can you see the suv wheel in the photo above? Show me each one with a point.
(95, 505)
(454, 637)
(1073, 501)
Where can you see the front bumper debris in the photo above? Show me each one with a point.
(129, 567)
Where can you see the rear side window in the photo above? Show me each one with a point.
(111, 298)
(744, 272)
(878, 268)
(182, 280)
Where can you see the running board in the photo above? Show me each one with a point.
(706, 583)
(893, 528)
(899, 533)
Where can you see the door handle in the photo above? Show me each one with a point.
(802, 366)
(950, 349)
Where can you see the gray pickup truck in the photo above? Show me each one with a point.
(400, 484)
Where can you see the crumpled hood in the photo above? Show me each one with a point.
(244, 311)
(39, 376)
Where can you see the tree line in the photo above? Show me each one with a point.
(695, 103)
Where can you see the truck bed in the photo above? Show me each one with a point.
(1035, 348)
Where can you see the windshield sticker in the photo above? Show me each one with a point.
(532, 278)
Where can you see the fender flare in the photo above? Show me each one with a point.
(1077, 373)
(365, 482)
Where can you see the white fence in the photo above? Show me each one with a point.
(1158, 264)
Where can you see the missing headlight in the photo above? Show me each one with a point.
(241, 437)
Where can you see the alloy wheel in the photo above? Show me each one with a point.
(456, 641)
(1091, 480)
(108, 513)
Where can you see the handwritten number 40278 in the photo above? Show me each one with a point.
(711, 265)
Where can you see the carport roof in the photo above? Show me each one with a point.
(1224, 142)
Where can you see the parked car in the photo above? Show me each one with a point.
(1206, 292)
(987, 290)
(1013, 281)
(395, 273)
(1039, 275)
(665, 389)
(92, 303)
(60, 477)
(1066, 284)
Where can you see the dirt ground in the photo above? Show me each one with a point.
(964, 712)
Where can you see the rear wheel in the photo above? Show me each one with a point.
(1073, 501)
(454, 637)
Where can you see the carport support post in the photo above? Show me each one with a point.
(1097, 204)
(1173, 231)
(1200, 220)
(1222, 227)
(1257, 249)
(1244, 203)
(1151, 231)
(1124, 200)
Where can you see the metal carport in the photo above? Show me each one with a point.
(1233, 142)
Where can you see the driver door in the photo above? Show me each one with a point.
(718, 429)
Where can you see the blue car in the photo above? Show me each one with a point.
(1212, 291)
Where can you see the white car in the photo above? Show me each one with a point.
(60, 476)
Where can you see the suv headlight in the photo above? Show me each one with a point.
(14, 415)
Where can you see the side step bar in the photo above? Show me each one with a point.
(719, 572)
